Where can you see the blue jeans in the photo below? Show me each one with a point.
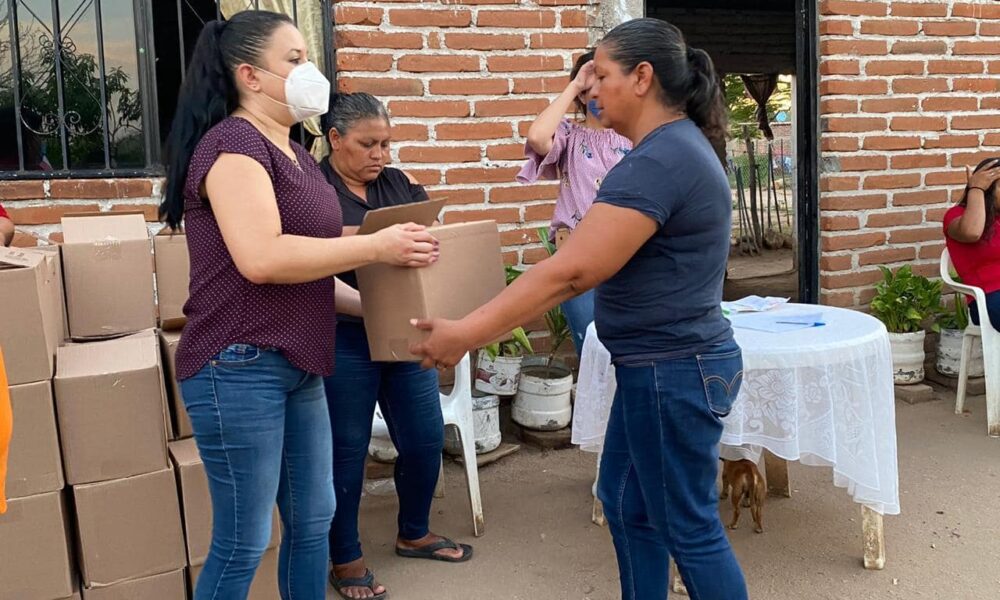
(261, 428)
(411, 405)
(658, 475)
(992, 309)
(579, 313)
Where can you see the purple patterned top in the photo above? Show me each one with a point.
(225, 308)
(580, 158)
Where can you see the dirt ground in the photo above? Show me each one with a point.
(540, 542)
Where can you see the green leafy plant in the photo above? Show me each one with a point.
(518, 345)
(957, 317)
(905, 300)
(555, 319)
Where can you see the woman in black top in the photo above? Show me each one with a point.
(357, 127)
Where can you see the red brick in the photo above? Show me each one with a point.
(440, 154)
(894, 219)
(840, 106)
(426, 176)
(891, 142)
(458, 196)
(482, 41)
(976, 85)
(853, 241)
(893, 27)
(989, 29)
(949, 28)
(914, 234)
(854, 47)
(840, 67)
(918, 124)
(506, 152)
(895, 67)
(974, 48)
(830, 143)
(978, 122)
(889, 105)
(915, 85)
(507, 108)
(469, 87)
(853, 87)
(951, 141)
(919, 161)
(23, 240)
(357, 15)
(519, 237)
(835, 263)
(850, 280)
(47, 215)
(837, 299)
(540, 85)
(517, 19)
(854, 124)
(511, 64)
(524, 193)
(422, 17)
(539, 212)
(511, 258)
(500, 215)
(472, 131)
(434, 40)
(570, 41)
(446, 63)
(409, 132)
(836, 27)
(935, 215)
(533, 256)
(991, 139)
(379, 39)
(839, 223)
(853, 202)
(429, 108)
(971, 159)
(863, 163)
(100, 188)
(891, 182)
(563, 2)
(523, 127)
(949, 104)
(838, 184)
(919, 198)
(149, 211)
(381, 86)
(22, 190)
(945, 178)
(954, 67)
(930, 252)
(924, 9)
(865, 8)
(573, 17)
(976, 10)
(921, 47)
(363, 61)
(481, 175)
(886, 257)
(479, 2)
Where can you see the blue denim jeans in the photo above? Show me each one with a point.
(658, 475)
(992, 309)
(579, 313)
(261, 428)
(411, 406)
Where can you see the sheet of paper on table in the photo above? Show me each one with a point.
(779, 321)
(753, 304)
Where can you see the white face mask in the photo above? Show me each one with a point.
(306, 90)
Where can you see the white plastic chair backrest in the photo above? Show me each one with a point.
(463, 383)
(977, 293)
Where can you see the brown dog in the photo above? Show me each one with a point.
(748, 487)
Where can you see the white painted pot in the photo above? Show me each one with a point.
(485, 424)
(543, 398)
(498, 376)
(907, 357)
(949, 354)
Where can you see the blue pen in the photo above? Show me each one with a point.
(816, 324)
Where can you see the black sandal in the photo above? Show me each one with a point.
(368, 581)
(429, 551)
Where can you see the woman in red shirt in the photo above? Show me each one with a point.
(6, 228)
(970, 233)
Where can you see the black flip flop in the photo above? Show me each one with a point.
(429, 551)
(368, 581)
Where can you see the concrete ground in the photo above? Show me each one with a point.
(540, 542)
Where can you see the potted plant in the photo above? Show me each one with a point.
(499, 365)
(951, 325)
(903, 302)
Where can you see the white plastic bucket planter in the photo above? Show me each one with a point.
(543, 398)
(498, 376)
(949, 354)
(907, 357)
(485, 424)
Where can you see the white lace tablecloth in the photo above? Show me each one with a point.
(823, 396)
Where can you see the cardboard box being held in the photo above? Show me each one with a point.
(167, 586)
(31, 313)
(181, 421)
(34, 549)
(35, 464)
(265, 582)
(173, 274)
(469, 274)
(129, 528)
(110, 404)
(108, 268)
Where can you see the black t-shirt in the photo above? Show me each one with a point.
(391, 188)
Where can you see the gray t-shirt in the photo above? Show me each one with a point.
(665, 302)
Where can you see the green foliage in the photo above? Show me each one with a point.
(555, 320)
(743, 109)
(905, 300)
(519, 345)
(956, 317)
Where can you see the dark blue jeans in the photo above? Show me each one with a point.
(579, 313)
(411, 405)
(992, 309)
(658, 475)
(261, 428)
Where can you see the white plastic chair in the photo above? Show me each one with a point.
(991, 350)
(456, 408)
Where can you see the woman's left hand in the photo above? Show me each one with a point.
(444, 347)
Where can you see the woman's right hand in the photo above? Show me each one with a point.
(984, 178)
(406, 245)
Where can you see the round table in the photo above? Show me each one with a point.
(820, 395)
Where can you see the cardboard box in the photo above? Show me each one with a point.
(167, 586)
(265, 582)
(34, 464)
(129, 528)
(110, 405)
(108, 269)
(168, 346)
(31, 318)
(35, 561)
(196, 503)
(469, 274)
(173, 274)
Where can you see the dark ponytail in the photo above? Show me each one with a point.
(686, 75)
(209, 93)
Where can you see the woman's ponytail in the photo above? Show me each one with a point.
(705, 105)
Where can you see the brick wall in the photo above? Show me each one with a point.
(909, 97)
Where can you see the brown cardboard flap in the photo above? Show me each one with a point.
(168, 586)
(421, 213)
(132, 353)
(88, 228)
